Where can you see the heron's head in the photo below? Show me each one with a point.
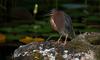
(53, 11)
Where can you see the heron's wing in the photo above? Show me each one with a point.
(68, 20)
(68, 26)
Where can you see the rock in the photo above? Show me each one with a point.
(78, 48)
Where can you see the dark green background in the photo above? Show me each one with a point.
(16, 16)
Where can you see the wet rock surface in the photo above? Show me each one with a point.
(78, 49)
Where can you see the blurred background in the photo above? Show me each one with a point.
(25, 21)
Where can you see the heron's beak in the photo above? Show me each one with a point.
(49, 13)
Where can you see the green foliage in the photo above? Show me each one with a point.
(93, 18)
(24, 9)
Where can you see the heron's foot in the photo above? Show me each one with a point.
(58, 41)
(65, 42)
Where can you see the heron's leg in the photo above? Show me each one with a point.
(65, 39)
(59, 39)
(49, 38)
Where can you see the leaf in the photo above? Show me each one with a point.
(2, 38)
(38, 39)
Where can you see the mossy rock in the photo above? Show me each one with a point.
(87, 41)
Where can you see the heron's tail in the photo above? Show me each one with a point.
(72, 34)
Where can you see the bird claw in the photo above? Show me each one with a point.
(57, 42)
(65, 42)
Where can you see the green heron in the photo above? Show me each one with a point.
(62, 23)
